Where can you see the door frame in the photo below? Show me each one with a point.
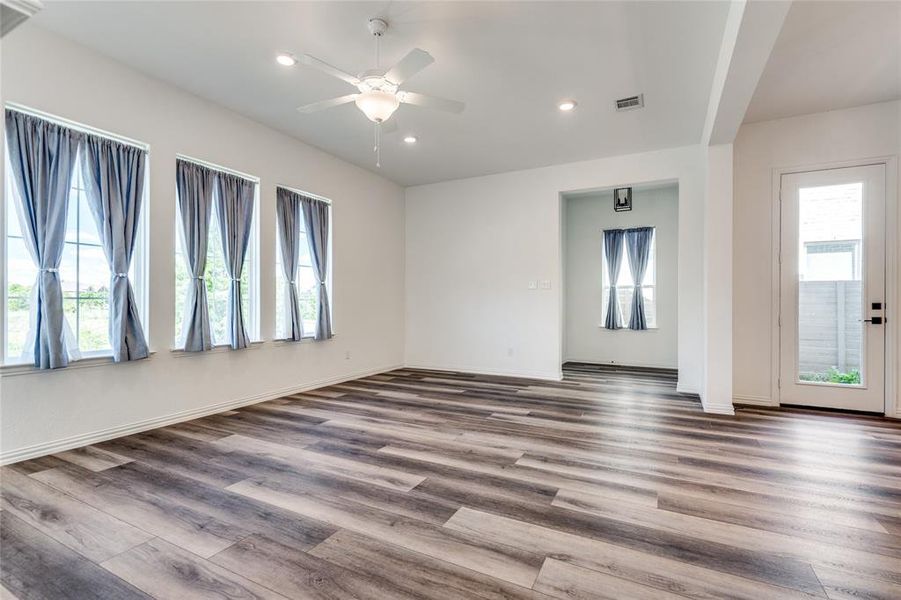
(892, 401)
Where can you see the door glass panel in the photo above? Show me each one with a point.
(830, 284)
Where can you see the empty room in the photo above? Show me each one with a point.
(439, 300)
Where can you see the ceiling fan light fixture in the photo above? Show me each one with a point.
(286, 60)
(567, 105)
(378, 106)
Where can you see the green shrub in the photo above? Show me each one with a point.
(833, 375)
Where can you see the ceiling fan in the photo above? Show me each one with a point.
(378, 93)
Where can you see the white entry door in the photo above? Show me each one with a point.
(832, 317)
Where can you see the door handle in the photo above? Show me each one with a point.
(874, 321)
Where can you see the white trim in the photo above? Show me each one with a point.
(77, 126)
(892, 403)
(303, 193)
(753, 400)
(718, 409)
(219, 168)
(542, 375)
(28, 8)
(95, 437)
(629, 365)
(216, 349)
(28, 368)
(687, 389)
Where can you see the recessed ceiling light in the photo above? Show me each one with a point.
(286, 60)
(410, 139)
(567, 105)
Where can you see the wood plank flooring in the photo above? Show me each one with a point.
(421, 484)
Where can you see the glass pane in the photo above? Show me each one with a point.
(12, 218)
(830, 264)
(21, 274)
(217, 284)
(93, 322)
(281, 287)
(308, 299)
(650, 306)
(68, 269)
(72, 216)
(304, 256)
(93, 270)
(70, 311)
(182, 279)
(86, 222)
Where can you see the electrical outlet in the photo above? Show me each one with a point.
(533, 285)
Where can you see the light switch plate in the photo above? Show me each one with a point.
(533, 285)
(545, 284)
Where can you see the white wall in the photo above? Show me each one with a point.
(816, 140)
(718, 280)
(474, 244)
(586, 218)
(42, 411)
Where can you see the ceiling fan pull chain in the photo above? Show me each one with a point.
(377, 149)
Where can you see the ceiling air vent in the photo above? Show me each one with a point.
(630, 103)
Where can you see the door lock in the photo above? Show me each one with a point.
(874, 321)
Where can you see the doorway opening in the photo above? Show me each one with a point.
(609, 237)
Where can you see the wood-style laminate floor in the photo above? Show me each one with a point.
(417, 484)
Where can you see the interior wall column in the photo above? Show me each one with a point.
(716, 391)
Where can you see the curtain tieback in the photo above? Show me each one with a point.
(198, 277)
(238, 279)
(120, 276)
(49, 270)
(292, 281)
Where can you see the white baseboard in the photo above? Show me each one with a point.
(102, 435)
(544, 375)
(753, 400)
(631, 364)
(718, 409)
(686, 389)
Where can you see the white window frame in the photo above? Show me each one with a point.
(140, 257)
(279, 274)
(605, 281)
(252, 312)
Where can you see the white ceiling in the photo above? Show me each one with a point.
(831, 55)
(510, 62)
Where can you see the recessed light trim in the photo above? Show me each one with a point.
(286, 60)
(567, 105)
(410, 139)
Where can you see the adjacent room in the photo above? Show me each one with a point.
(450, 300)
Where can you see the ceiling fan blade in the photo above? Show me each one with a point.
(327, 68)
(323, 104)
(415, 61)
(430, 102)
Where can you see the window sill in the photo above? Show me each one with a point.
(217, 349)
(15, 369)
(287, 341)
(601, 326)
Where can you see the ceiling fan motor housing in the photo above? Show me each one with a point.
(377, 26)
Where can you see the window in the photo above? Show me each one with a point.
(217, 279)
(625, 287)
(84, 274)
(306, 288)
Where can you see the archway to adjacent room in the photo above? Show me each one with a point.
(641, 222)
